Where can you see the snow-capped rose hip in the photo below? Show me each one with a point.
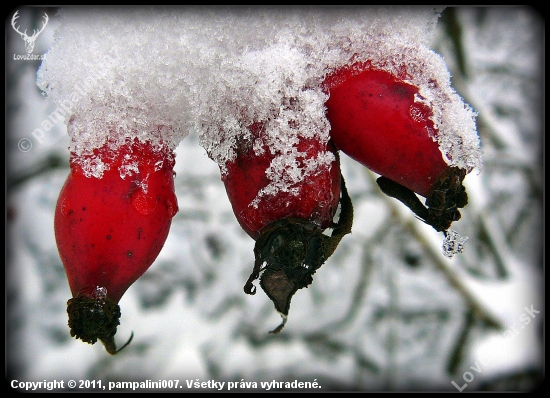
(316, 198)
(376, 120)
(287, 224)
(110, 228)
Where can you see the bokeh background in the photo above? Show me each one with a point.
(386, 312)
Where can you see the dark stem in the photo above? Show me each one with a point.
(110, 345)
(445, 198)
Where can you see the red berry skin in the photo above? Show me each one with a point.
(109, 230)
(316, 200)
(375, 120)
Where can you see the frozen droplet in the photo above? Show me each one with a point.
(172, 205)
(100, 292)
(453, 243)
(65, 207)
(142, 203)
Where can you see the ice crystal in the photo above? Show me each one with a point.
(154, 73)
(453, 243)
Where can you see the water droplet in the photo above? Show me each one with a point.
(172, 205)
(65, 207)
(142, 203)
(169, 178)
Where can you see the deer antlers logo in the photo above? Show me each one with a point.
(29, 40)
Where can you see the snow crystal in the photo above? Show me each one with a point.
(100, 292)
(116, 73)
(154, 73)
(453, 243)
(128, 167)
(278, 81)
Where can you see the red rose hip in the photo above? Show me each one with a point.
(288, 223)
(376, 120)
(110, 229)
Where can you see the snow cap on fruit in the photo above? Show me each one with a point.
(115, 75)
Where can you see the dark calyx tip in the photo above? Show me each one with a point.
(289, 251)
(91, 319)
(447, 196)
(287, 255)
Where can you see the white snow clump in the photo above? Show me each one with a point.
(154, 73)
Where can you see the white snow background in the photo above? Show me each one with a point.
(388, 311)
